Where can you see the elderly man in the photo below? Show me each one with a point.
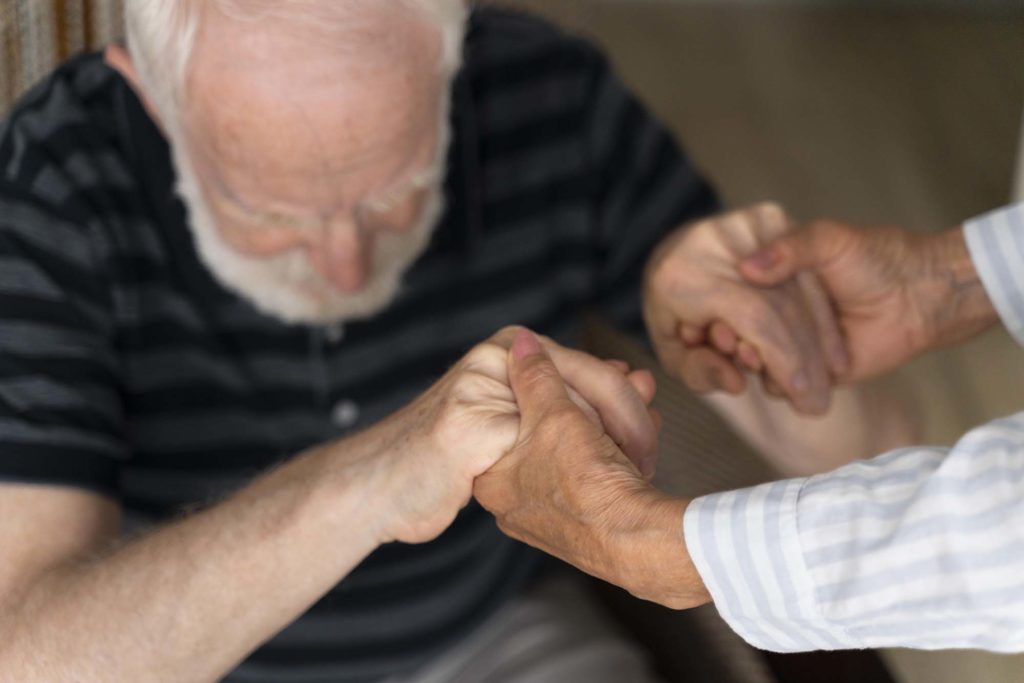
(219, 410)
(922, 547)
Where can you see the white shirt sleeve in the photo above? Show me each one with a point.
(921, 547)
(996, 243)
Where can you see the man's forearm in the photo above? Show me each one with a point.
(189, 601)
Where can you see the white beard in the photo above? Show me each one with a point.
(287, 286)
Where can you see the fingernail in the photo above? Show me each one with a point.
(762, 260)
(801, 382)
(648, 466)
(525, 345)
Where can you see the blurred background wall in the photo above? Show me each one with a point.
(35, 34)
(895, 111)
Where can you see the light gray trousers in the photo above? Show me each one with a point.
(553, 633)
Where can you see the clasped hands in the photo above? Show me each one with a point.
(560, 446)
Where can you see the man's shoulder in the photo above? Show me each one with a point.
(498, 36)
(61, 136)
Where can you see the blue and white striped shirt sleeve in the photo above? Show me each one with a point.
(921, 547)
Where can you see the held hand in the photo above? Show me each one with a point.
(896, 293)
(435, 447)
(567, 489)
(709, 325)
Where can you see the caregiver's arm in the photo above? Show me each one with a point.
(922, 547)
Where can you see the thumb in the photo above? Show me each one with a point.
(535, 381)
(782, 259)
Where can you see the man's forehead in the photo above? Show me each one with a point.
(253, 127)
(349, 33)
(274, 99)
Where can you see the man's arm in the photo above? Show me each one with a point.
(191, 600)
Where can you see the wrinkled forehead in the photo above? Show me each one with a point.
(282, 97)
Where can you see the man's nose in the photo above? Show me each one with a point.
(344, 255)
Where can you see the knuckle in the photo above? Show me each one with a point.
(541, 372)
(484, 354)
(563, 422)
(610, 379)
(771, 211)
(664, 276)
(506, 333)
(465, 387)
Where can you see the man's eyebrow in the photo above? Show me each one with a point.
(398, 183)
(251, 212)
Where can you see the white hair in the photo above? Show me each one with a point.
(161, 34)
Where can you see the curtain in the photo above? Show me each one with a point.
(36, 35)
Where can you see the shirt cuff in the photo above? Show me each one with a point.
(996, 243)
(746, 547)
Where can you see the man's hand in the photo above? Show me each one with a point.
(430, 452)
(708, 325)
(896, 293)
(568, 489)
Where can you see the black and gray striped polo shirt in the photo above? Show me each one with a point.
(126, 369)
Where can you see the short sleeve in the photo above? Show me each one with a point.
(645, 188)
(61, 416)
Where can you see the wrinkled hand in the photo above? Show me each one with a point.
(436, 446)
(710, 326)
(896, 293)
(568, 489)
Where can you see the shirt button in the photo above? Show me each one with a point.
(345, 414)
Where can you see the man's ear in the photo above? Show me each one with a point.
(118, 59)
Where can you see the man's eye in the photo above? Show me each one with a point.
(279, 220)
